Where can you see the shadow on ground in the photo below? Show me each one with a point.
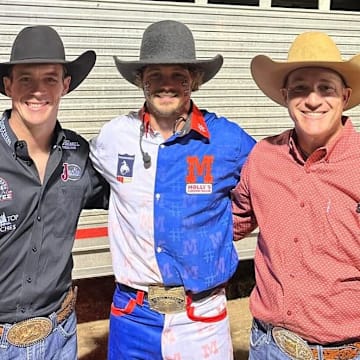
(238, 355)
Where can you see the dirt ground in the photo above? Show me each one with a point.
(94, 299)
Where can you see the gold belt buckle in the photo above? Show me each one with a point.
(29, 332)
(167, 300)
(292, 344)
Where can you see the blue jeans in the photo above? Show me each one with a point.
(61, 344)
(263, 346)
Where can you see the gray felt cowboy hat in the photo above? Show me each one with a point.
(309, 49)
(42, 45)
(168, 42)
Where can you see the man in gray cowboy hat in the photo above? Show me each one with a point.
(171, 167)
(301, 188)
(46, 180)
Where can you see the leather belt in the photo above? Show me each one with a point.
(298, 349)
(343, 352)
(33, 330)
(194, 296)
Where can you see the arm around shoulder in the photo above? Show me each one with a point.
(244, 219)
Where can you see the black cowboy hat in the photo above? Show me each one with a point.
(42, 45)
(168, 42)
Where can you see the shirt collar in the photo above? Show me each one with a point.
(195, 122)
(11, 139)
(333, 149)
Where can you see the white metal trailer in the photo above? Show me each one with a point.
(115, 27)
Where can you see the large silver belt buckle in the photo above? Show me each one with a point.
(167, 300)
(291, 344)
(29, 332)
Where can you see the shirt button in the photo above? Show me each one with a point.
(162, 146)
(158, 249)
(22, 310)
(157, 196)
(38, 218)
(302, 204)
(29, 280)
(296, 240)
(34, 249)
(289, 312)
(292, 276)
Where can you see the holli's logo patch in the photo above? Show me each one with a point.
(71, 172)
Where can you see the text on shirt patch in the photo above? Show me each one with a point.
(4, 133)
(70, 145)
(71, 172)
(7, 222)
(5, 192)
(199, 169)
(125, 167)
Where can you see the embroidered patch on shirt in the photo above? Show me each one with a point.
(7, 222)
(201, 170)
(5, 192)
(125, 168)
(70, 145)
(4, 132)
(71, 172)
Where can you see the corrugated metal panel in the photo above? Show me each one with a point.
(115, 28)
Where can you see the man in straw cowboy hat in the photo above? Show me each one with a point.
(171, 167)
(302, 189)
(46, 178)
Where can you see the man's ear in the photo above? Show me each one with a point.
(7, 85)
(66, 82)
(284, 94)
(346, 95)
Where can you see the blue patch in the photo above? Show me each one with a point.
(125, 168)
(71, 172)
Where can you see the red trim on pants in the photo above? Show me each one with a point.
(190, 310)
(130, 305)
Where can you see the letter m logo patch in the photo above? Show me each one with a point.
(200, 169)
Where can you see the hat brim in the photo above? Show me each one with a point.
(270, 75)
(78, 69)
(129, 69)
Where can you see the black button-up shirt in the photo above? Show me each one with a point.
(38, 220)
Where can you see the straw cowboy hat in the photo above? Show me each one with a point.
(168, 43)
(42, 45)
(309, 49)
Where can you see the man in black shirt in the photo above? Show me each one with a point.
(46, 179)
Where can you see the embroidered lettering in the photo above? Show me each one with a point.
(71, 172)
(195, 169)
(199, 169)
